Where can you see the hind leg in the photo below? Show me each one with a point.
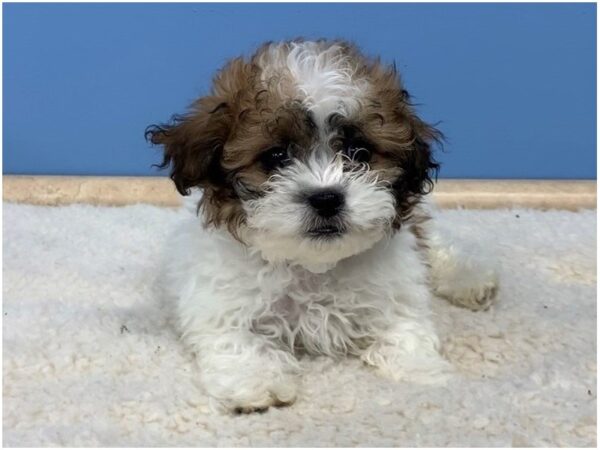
(461, 278)
(465, 277)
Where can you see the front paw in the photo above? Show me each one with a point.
(244, 393)
(278, 394)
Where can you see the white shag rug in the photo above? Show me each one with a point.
(90, 359)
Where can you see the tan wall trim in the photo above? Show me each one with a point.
(59, 190)
(542, 194)
(116, 191)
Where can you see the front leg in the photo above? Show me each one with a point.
(215, 304)
(405, 345)
(245, 372)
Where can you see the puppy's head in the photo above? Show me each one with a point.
(308, 152)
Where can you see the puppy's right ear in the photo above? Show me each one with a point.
(193, 144)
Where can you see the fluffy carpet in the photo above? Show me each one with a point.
(89, 357)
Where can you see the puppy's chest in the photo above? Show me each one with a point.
(323, 313)
(303, 292)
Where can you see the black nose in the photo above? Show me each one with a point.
(327, 203)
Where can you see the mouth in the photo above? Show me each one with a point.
(328, 231)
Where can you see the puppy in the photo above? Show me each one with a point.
(315, 239)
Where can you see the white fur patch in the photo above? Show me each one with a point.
(322, 75)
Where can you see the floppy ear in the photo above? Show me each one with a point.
(193, 144)
(418, 165)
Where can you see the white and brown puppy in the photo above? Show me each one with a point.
(312, 165)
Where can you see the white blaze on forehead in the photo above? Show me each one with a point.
(322, 76)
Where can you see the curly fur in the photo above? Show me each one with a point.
(272, 275)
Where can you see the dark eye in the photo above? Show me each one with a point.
(357, 152)
(274, 158)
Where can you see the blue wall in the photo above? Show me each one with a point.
(514, 85)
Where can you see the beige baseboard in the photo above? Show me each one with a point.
(475, 194)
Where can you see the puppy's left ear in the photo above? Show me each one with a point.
(193, 144)
(420, 167)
